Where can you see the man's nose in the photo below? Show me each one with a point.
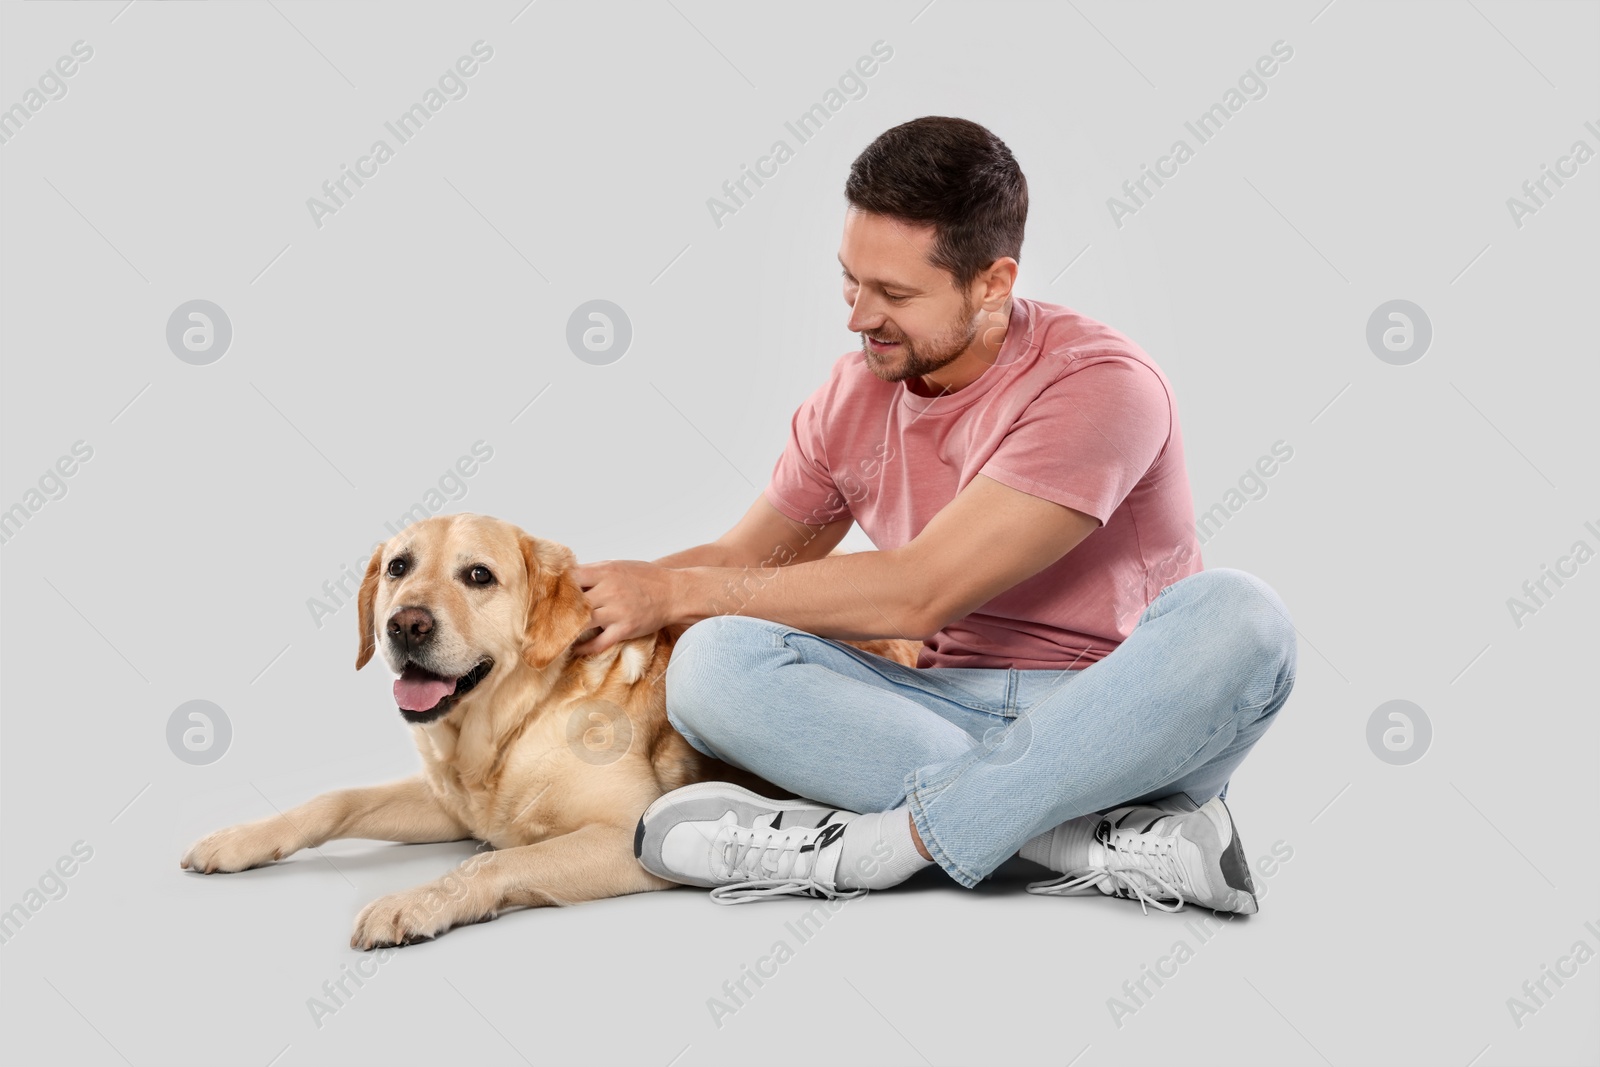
(863, 317)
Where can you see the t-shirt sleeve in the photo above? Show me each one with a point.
(802, 485)
(1087, 439)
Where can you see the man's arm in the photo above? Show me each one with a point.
(986, 540)
(631, 598)
(766, 537)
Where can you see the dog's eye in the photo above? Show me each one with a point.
(480, 575)
(397, 567)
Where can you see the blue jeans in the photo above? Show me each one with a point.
(987, 758)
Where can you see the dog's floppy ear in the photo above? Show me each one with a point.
(364, 599)
(557, 609)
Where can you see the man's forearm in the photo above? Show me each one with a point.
(855, 596)
(709, 555)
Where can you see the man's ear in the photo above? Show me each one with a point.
(557, 609)
(364, 599)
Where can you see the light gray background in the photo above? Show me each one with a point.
(369, 354)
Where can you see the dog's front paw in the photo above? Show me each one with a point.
(237, 848)
(410, 916)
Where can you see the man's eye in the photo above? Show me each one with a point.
(895, 299)
(480, 575)
(397, 567)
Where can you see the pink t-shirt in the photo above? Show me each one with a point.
(1072, 411)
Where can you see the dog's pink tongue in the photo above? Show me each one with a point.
(420, 690)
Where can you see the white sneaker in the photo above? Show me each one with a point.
(741, 845)
(1164, 858)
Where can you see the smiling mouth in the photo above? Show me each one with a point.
(424, 696)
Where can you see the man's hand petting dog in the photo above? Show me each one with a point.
(628, 598)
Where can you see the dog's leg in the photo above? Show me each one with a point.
(588, 864)
(399, 811)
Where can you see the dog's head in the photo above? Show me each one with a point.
(453, 599)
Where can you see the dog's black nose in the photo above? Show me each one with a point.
(413, 626)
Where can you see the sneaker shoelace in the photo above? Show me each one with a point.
(745, 850)
(1140, 864)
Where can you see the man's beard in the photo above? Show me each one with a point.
(927, 356)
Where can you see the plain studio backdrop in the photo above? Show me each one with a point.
(181, 479)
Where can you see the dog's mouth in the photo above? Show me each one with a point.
(423, 696)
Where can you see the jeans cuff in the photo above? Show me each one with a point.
(919, 818)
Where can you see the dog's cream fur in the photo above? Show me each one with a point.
(551, 759)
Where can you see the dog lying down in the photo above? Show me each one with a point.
(549, 758)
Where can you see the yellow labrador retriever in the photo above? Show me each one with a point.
(547, 757)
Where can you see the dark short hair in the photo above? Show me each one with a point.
(952, 174)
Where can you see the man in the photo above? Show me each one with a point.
(1085, 689)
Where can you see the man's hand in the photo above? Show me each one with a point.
(627, 598)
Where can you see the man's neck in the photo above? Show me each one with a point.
(967, 367)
